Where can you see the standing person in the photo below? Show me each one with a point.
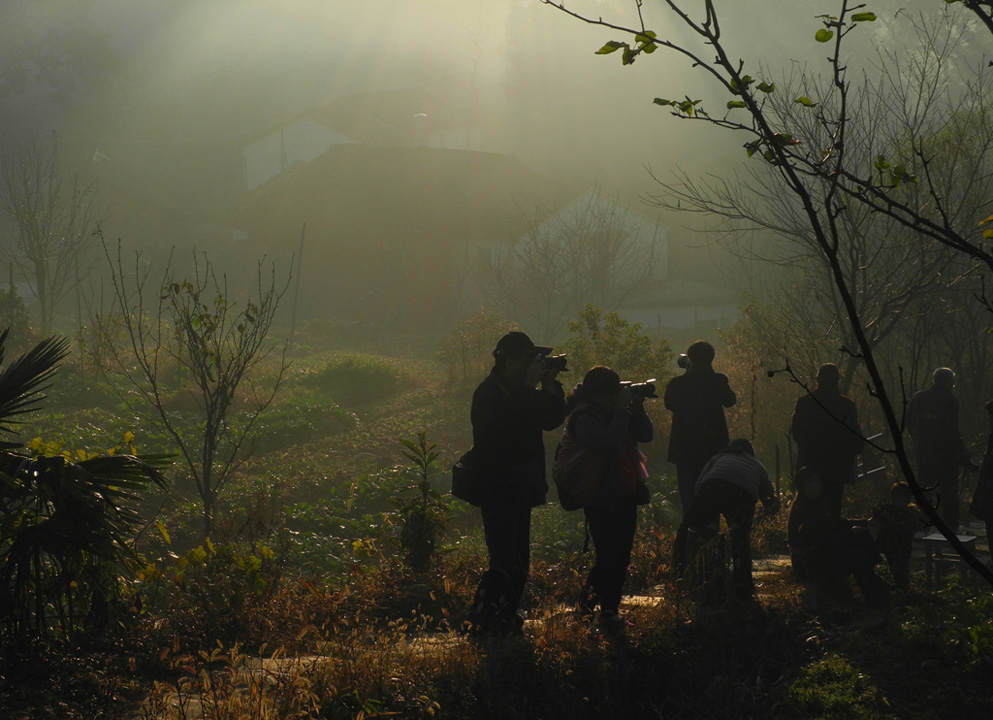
(697, 399)
(933, 422)
(730, 484)
(610, 419)
(982, 499)
(825, 427)
(517, 401)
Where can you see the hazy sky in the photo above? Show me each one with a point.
(230, 69)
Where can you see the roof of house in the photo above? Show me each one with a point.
(387, 117)
(388, 192)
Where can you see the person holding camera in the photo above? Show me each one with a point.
(697, 399)
(609, 418)
(518, 400)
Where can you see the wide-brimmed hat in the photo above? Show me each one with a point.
(517, 343)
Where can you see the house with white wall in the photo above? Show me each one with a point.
(402, 118)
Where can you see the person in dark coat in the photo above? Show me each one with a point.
(825, 427)
(697, 399)
(933, 421)
(982, 499)
(517, 401)
(608, 418)
(730, 484)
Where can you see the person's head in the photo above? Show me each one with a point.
(943, 378)
(740, 446)
(901, 494)
(808, 483)
(600, 386)
(701, 354)
(514, 352)
(828, 376)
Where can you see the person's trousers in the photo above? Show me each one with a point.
(715, 498)
(944, 477)
(507, 529)
(687, 473)
(612, 532)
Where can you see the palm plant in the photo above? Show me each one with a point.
(67, 523)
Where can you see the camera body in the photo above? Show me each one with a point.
(555, 363)
(683, 361)
(643, 389)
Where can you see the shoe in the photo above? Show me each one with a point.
(611, 620)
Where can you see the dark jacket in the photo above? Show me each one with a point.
(611, 433)
(982, 499)
(507, 425)
(742, 470)
(825, 427)
(697, 399)
(933, 421)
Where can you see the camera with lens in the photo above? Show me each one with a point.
(555, 363)
(683, 361)
(643, 389)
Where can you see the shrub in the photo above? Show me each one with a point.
(355, 379)
(466, 351)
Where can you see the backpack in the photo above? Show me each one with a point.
(467, 482)
(577, 472)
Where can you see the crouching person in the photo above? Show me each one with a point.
(730, 485)
(826, 550)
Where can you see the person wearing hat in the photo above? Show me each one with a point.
(517, 401)
(609, 420)
(933, 422)
(825, 427)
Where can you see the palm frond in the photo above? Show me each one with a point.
(24, 380)
(127, 470)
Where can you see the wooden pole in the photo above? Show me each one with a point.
(296, 285)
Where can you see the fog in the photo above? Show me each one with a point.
(158, 100)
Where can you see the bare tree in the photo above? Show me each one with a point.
(191, 345)
(825, 181)
(52, 220)
(591, 252)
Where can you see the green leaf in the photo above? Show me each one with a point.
(612, 46)
(160, 526)
(663, 102)
(736, 104)
(988, 234)
(805, 101)
(630, 55)
(767, 87)
(983, 222)
(864, 17)
(823, 35)
(881, 163)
